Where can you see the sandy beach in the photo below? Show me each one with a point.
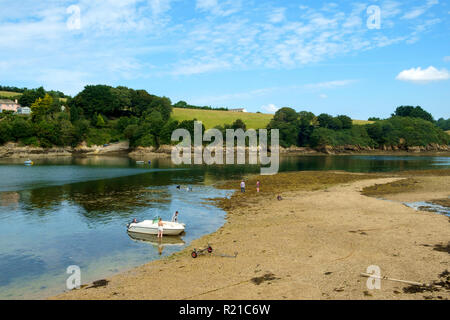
(314, 244)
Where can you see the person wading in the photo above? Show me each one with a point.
(160, 228)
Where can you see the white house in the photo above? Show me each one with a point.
(24, 110)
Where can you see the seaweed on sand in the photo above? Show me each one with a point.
(439, 285)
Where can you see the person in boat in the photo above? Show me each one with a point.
(242, 186)
(175, 217)
(160, 228)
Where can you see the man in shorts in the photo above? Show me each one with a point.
(160, 228)
(242, 186)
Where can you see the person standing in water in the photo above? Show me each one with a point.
(160, 228)
(175, 217)
(258, 184)
(242, 186)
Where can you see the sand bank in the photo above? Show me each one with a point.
(311, 245)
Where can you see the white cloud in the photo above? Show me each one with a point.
(329, 84)
(191, 68)
(120, 39)
(447, 59)
(418, 11)
(420, 75)
(277, 15)
(224, 8)
(270, 108)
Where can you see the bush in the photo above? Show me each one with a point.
(30, 141)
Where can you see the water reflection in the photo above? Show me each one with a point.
(74, 211)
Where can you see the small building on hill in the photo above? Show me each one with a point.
(23, 110)
(9, 105)
(237, 110)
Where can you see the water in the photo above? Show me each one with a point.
(428, 206)
(73, 211)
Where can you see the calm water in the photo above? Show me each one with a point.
(73, 211)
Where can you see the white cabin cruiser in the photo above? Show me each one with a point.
(151, 227)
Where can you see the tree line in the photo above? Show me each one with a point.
(407, 126)
(102, 114)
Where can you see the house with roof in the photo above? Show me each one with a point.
(23, 110)
(9, 105)
(237, 110)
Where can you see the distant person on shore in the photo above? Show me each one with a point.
(175, 217)
(242, 186)
(279, 198)
(160, 228)
(258, 185)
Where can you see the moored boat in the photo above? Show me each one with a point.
(151, 227)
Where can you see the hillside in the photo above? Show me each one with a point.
(211, 118)
(9, 94)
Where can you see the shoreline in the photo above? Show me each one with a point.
(15, 151)
(311, 245)
(58, 153)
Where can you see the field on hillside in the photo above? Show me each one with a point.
(9, 94)
(448, 131)
(212, 118)
(362, 122)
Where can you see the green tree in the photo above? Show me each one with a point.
(413, 112)
(325, 120)
(347, 122)
(100, 121)
(239, 124)
(21, 128)
(5, 132)
(41, 108)
(286, 120)
(28, 97)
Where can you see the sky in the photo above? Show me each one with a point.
(359, 58)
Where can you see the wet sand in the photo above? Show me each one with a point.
(311, 245)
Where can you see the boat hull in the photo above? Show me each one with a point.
(150, 228)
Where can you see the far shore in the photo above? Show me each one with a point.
(15, 151)
(328, 228)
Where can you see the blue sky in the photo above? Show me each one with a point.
(319, 56)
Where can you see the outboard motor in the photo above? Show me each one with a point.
(134, 221)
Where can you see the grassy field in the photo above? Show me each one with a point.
(362, 122)
(214, 118)
(9, 94)
(448, 132)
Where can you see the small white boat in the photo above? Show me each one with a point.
(151, 227)
(140, 162)
(28, 163)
